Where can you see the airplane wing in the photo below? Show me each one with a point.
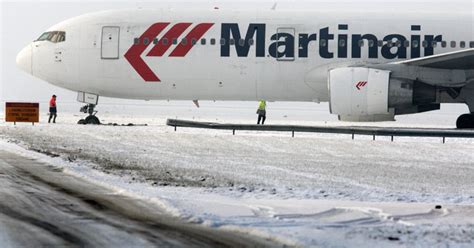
(459, 60)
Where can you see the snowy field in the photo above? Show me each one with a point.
(311, 190)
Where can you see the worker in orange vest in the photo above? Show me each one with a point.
(52, 109)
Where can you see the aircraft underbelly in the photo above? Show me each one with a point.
(187, 79)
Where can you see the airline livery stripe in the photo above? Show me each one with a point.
(133, 55)
(174, 33)
(194, 35)
(361, 84)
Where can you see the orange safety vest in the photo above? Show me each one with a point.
(52, 103)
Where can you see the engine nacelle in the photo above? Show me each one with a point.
(360, 94)
(367, 94)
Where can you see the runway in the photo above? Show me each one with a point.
(42, 207)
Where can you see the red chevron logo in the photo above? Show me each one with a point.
(361, 84)
(134, 54)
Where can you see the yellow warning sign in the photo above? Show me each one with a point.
(21, 112)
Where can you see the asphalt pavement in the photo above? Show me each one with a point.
(40, 206)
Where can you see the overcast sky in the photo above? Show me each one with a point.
(24, 21)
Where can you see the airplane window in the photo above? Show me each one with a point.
(380, 43)
(251, 42)
(232, 42)
(415, 43)
(175, 41)
(471, 44)
(193, 41)
(444, 43)
(462, 44)
(241, 42)
(371, 43)
(407, 43)
(61, 37)
(398, 43)
(136, 41)
(453, 44)
(323, 43)
(146, 41)
(155, 41)
(50, 36)
(184, 41)
(44, 36)
(425, 43)
(361, 43)
(213, 41)
(390, 44)
(434, 44)
(54, 36)
(222, 42)
(203, 41)
(342, 43)
(165, 41)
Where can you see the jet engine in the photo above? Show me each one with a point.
(367, 94)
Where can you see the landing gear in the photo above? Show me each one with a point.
(91, 119)
(465, 121)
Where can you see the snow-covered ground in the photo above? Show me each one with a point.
(311, 190)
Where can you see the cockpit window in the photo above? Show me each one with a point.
(62, 37)
(43, 37)
(53, 36)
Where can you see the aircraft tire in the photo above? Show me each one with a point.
(465, 121)
(92, 120)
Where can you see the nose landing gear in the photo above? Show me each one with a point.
(92, 119)
(91, 100)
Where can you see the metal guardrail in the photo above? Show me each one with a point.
(371, 131)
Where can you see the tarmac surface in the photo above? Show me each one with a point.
(42, 206)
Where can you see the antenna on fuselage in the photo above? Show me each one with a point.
(275, 6)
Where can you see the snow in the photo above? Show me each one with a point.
(311, 190)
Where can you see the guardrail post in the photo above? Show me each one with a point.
(444, 140)
(292, 134)
(353, 136)
(233, 131)
(392, 138)
(175, 128)
(374, 138)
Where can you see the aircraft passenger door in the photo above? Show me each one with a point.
(285, 45)
(110, 42)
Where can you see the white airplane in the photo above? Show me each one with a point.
(369, 65)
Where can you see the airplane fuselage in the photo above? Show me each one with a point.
(235, 55)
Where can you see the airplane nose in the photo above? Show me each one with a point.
(23, 59)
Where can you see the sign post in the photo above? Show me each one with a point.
(22, 112)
